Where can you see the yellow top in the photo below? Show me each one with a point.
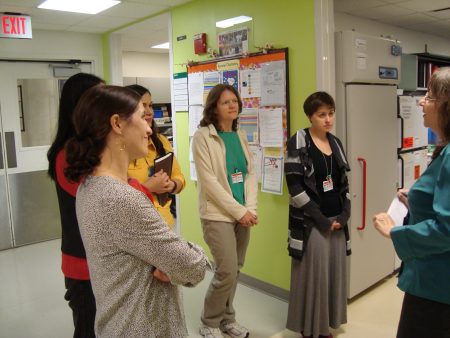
(139, 170)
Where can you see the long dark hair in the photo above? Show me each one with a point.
(73, 88)
(439, 86)
(155, 131)
(91, 120)
(209, 113)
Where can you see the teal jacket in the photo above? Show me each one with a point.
(424, 245)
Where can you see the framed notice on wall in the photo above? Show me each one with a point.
(262, 80)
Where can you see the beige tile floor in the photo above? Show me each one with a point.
(32, 304)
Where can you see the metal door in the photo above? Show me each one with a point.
(371, 127)
(29, 99)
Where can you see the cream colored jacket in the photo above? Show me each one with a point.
(215, 199)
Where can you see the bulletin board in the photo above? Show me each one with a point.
(262, 79)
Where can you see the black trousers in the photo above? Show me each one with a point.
(82, 302)
(423, 318)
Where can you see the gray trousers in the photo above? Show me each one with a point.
(228, 243)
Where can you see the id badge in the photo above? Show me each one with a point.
(237, 178)
(328, 184)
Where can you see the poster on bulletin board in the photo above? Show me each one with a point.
(263, 83)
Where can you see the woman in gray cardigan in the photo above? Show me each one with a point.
(136, 262)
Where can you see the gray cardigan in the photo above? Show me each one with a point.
(304, 210)
(124, 236)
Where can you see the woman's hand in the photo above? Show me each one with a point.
(402, 195)
(159, 183)
(336, 226)
(161, 276)
(248, 220)
(383, 223)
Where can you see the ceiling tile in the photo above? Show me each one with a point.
(407, 20)
(348, 5)
(394, 1)
(133, 10)
(155, 23)
(425, 5)
(49, 26)
(104, 21)
(382, 12)
(57, 17)
(13, 8)
(85, 29)
(168, 3)
(441, 14)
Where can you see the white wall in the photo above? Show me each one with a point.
(54, 45)
(151, 70)
(412, 41)
(136, 64)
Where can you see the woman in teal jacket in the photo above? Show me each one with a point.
(424, 244)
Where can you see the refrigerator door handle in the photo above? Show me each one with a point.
(402, 171)
(1, 153)
(402, 126)
(364, 167)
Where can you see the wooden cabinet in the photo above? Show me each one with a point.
(416, 69)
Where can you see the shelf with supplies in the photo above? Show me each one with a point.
(163, 118)
(417, 69)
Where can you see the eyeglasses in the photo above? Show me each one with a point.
(428, 98)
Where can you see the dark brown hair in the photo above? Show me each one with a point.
(160, 151)
(439, 86)
(72, 90)
(316, 100)
(91, 120)
(209, 113)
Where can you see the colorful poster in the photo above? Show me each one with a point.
(210, 79)
(248, 122)
(231, 77)
(250, 83)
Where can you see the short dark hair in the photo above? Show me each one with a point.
(72, 90)
(316, 100)
(209, 113)
(92, 127)
(160, 151)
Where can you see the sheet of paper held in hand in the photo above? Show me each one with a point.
(397, 210)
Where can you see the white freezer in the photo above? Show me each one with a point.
(371, 132)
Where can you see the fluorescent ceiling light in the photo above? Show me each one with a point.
(233, 21)
(79, 6)
(164, 45)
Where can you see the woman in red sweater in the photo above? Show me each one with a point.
(74, 265)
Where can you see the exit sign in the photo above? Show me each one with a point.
(15, 26)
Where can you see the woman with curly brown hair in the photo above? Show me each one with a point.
(136, 262)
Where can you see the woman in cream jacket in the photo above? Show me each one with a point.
(227, 189)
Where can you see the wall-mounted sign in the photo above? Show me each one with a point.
(15, 26)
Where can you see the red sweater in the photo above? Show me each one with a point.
(74, 264)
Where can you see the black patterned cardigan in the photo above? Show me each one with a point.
(304, 210)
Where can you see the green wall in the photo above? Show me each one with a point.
(284, 23)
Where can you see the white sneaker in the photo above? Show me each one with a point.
(210, 332)
(235, 330)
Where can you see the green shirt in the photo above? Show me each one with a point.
(236, 163)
